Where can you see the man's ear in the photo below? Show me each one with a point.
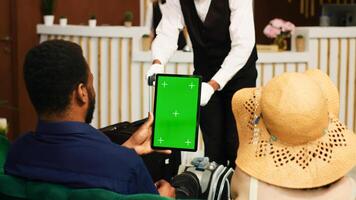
(81, 93)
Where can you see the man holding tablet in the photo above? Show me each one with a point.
(223, 38)
(64, 148)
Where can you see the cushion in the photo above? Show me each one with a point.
(11, 186)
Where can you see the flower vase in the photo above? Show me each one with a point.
(281, 42)
(300, 44)
(146, 43)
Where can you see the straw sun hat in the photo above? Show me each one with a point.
(289, 132)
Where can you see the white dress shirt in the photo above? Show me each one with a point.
(242, 33)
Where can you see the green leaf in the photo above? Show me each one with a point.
(47, 7)
(128, 16)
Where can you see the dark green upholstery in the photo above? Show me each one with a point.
(12, 188)
(4, 146)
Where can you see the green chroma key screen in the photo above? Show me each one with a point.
(176, 111)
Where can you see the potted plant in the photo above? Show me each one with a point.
(3, 126)
(63, 21)
(280, 31)
(3, 121)
(47, 11)
(92, 21)
(128, 17)
(300, 43)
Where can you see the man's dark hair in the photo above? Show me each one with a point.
(52, 70)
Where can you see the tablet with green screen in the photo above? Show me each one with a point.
(176, 111)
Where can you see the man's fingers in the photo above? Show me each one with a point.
(161, 182)
(164, 151)
(149, 121)
(158, 183)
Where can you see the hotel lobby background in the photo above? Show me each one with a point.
(23, 16)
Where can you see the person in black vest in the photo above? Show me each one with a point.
(156, 18)
(223, 38)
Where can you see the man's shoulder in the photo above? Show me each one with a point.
(94, 147)
(106, 152)
(23, 138)
(88, 156)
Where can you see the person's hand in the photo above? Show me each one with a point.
(165, 189)
(140, 141)
(206, 92)
(154, 69)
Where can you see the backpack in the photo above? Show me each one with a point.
(204, 180)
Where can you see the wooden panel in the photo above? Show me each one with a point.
(26, 17)
(119, 89)
(107, 12)
(93, 61)
(7, 71)
(352, 81)
(114, 81)
(264, 11)
(125, 103)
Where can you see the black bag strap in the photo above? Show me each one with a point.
(223, 187)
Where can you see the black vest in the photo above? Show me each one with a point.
(211, 40)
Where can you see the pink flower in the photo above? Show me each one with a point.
(278, 23)
(288, 27)
(278, 26)
(271, 32)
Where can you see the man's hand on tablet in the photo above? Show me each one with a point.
(140, 141)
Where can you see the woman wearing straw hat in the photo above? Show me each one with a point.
(292, 146)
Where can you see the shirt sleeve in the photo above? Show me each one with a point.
(242, 33)
(144, 183)
(165, 43)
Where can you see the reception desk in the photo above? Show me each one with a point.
(115, 57)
